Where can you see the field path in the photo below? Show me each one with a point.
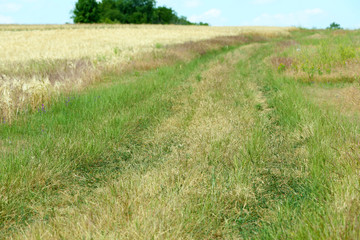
(218, 148)
(189, 192)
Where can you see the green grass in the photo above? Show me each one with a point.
(224, 146)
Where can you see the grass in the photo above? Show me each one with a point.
(224, 146)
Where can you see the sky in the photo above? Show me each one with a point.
(299, 13)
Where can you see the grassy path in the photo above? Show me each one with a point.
(58, 155)
(175, 178)
(220, 148)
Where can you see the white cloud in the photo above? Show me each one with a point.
(212, 14)
(260, 2)
(314, 11)
(301, 18)
(9, 7)
(6, 20)
(163, 2)
(32, 1)
(192, 3)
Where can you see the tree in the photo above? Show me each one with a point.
(182, 20)
(110, 12)
(86, 11)
(164, 15)
(126, 11)
(334, 26)
(139, 11)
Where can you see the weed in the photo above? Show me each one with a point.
(117, 51)
(158, 46)
(281, 68)
(347, 53)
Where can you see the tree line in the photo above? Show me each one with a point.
(127, 12)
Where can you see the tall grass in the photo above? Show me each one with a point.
(305, 156)
(328, 57)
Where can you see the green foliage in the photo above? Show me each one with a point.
(117, 51)
(198, 77)
(347, 52)
(127, 11)
(86, 11)
(203, 24)
(159, 45)
(334, 26)
(281, 68)
(164, 15)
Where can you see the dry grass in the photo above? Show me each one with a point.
(19, 95)
(182, 52)
(287, 62)
(345, 100)
(317, 36)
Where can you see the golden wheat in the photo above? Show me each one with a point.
(80, 42)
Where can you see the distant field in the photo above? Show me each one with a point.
(23, 43)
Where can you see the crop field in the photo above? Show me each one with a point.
(164, 132)
(37, 61)
(22, 43)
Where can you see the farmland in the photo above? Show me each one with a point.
(24, 43)
(39, 61)
(242, 133)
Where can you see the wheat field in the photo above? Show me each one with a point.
(21, 43)
(38, 61)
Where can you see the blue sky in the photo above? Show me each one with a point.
(305, 13)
